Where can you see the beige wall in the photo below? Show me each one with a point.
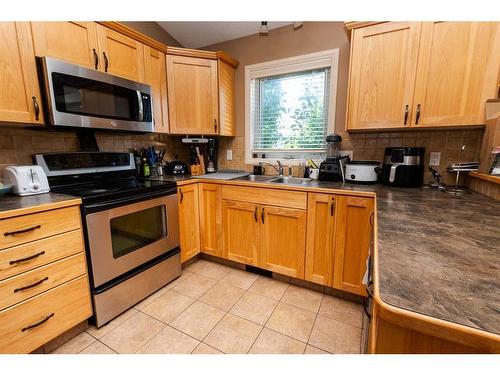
(318, 36)
(153, 30)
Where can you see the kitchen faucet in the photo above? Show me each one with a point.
(278, 169)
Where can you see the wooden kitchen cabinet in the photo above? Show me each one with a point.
(192, 95)
(283, 240)
(321, 212)
(382, 75)
(189, 226)
(458, 69)
(121, 55)
(353, 234)
(227, 122)
(210, 219)
(422, 74)
(156, 76)
(241, 234)
(75, 42)
(20, 100)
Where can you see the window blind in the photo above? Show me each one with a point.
(289, 113)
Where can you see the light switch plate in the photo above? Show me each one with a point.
(229, 154)
(434, 159)
(346, 153)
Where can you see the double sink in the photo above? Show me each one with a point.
(276, 179)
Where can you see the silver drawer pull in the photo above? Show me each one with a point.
(31, 286)
(27, 258)
(38, 323)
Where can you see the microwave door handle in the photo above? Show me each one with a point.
(140, 105)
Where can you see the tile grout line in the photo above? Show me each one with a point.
(264, 325)
(315, 319)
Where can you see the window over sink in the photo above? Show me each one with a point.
(290, 107)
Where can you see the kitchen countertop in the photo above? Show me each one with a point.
(438, 255)
(13, 205)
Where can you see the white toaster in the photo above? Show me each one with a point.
(26, 179)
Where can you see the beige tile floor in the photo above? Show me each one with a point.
(213, 308)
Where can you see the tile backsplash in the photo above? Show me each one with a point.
(17, 145)
(371, 146)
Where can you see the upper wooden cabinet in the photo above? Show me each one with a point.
(353, 233)
(75, 42)
(227, 124)
(458, 69)
(382, 75)
(156, 77)
(20, 99)
(121, 55)
(422, 74)
(189, 221)
(210, 219)
(192, 95)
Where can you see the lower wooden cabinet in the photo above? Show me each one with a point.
(320, 238)
(338, 239)
(241, 234)
(210, 219)
(283, 240)
(353, 233)
(189, 221)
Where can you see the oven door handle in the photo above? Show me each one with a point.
(122, 201)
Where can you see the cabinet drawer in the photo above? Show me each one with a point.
(32, 323)
(272, 197)
(26, 228)
(22, 258)
(19, 288)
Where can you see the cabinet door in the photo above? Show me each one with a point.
(457, 72)
(283, 243)
(382, 75)
(210, 219)
(192, 95)
(353, 232)
(189, 221)
(240, 227)
(121, 55)
(321, 212)
(156, 77)
(75, 42)
(19, 90)
(227, 124)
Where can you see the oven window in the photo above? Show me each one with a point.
(138, 229)
(83, 96)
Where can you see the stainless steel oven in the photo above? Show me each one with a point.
(123, 238)
(79, 97)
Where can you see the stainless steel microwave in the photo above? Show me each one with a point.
(85, 98)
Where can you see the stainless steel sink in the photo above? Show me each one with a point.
(253, 177)
(291, 180)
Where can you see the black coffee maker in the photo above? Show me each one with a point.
(403, 166)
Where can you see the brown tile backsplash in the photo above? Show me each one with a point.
(371, 146)
(17, 145)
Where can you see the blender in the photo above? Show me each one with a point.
(332, 169)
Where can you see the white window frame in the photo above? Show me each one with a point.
(317, 60)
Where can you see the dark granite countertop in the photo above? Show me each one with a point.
(438, 254)
(11, 205)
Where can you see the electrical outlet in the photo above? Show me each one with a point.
(434, 159)
(229, 154)
(346, 153)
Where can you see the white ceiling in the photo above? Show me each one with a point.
(201, 34)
